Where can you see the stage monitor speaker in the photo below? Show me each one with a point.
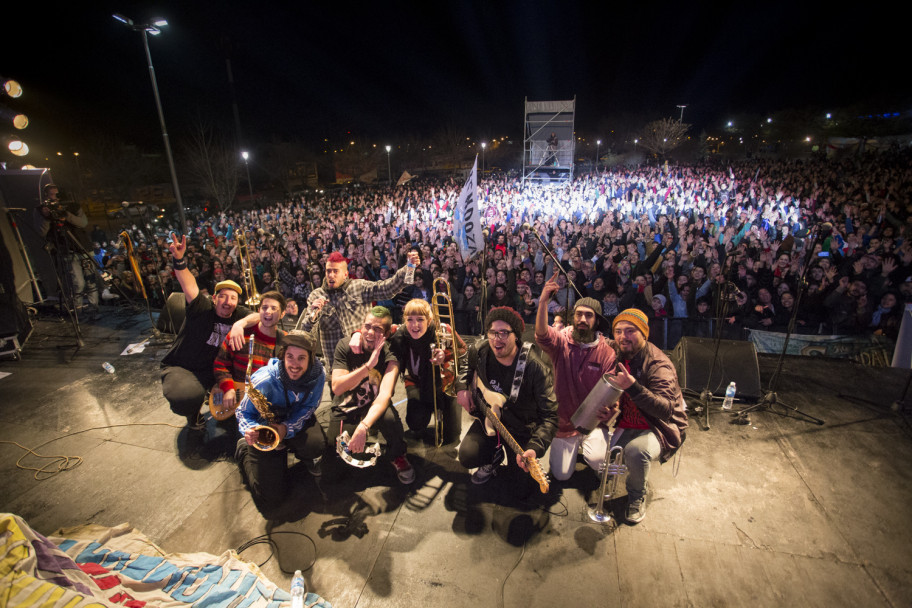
(171, 318)
(737, 362)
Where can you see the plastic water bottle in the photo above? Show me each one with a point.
(729, 396)
(298, 590)
(108, 367)
(409, 273)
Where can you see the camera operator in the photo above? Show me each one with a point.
(63, 225)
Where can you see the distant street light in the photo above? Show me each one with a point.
(598, 144)
(154, 28)
(484, 146)
(682, 113)
(389, 170)
(245, 156)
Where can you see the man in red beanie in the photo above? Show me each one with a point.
(504, 371)
(653, 417)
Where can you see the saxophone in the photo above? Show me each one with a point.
(267, 438)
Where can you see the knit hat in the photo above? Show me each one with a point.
(661, 298)
(228, 284)
(508, 316)
(592, 303)
(635, 317)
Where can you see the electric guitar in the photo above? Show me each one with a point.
(220, 412)
(488, 401)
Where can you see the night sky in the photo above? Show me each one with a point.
(389, 70)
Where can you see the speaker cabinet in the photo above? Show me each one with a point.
(737, 361)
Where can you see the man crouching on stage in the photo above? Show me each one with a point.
(652, 420)
(363, 383)
(508, 373)
(292, 384)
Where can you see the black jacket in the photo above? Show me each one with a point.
(532, 418)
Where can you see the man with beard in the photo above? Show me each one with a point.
(363, 381)
(414, 348)
(581, 356)
(339, 306)
(292, 384)
(505, 365)
(230, 365)
(652, 420)
(186, 371)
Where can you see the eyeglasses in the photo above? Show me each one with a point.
(379, 329)
(500, 335)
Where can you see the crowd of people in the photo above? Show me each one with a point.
(667, 240)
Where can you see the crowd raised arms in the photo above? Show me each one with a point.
(657, 240)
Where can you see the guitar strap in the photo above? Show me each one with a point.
(520, 370)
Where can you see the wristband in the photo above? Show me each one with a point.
(366, 428)
(179, 264)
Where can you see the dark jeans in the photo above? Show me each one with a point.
(266, 472)
(389, 425)
(185, 390)
(478, 449)
(419, 409)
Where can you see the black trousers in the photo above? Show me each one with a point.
(478, 449)
(420, 407)
(185, 390)
(266, 472)
(389, 425)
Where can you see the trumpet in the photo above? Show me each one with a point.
(613, 467)
(267, 438)
(253, 297)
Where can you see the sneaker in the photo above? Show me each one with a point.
(483, 474)
(636, 510)
(314, 467)
(404, 470)
(197, 423)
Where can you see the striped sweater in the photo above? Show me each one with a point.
(230, 366)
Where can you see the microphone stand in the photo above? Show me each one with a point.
(560, 269)
(770, 398)
(726, 294)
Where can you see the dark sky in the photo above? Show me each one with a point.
(385, 70)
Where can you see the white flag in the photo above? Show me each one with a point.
(467, 218)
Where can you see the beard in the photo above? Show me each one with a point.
(583, 336)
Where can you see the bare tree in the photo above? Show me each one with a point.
(663, 136)
(212, 164)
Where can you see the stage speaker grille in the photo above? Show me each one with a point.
(737, 361)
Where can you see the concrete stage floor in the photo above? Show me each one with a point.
(779, 512)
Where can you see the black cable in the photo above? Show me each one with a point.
(266, 539)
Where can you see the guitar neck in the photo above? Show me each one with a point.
(504, 433)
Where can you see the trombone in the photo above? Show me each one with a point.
(448, 340)
(253, 297)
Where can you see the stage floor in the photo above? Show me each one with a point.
(778, 512)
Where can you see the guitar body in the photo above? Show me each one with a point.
(215, 402)
(491, 404)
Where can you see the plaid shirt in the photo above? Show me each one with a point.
(346, 308)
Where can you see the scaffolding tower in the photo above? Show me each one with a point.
(548, 141)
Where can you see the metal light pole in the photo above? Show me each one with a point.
(598, 144)
(484, 146)
(682, 113)
(154, 29)
(246, 155)
(389, 170)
